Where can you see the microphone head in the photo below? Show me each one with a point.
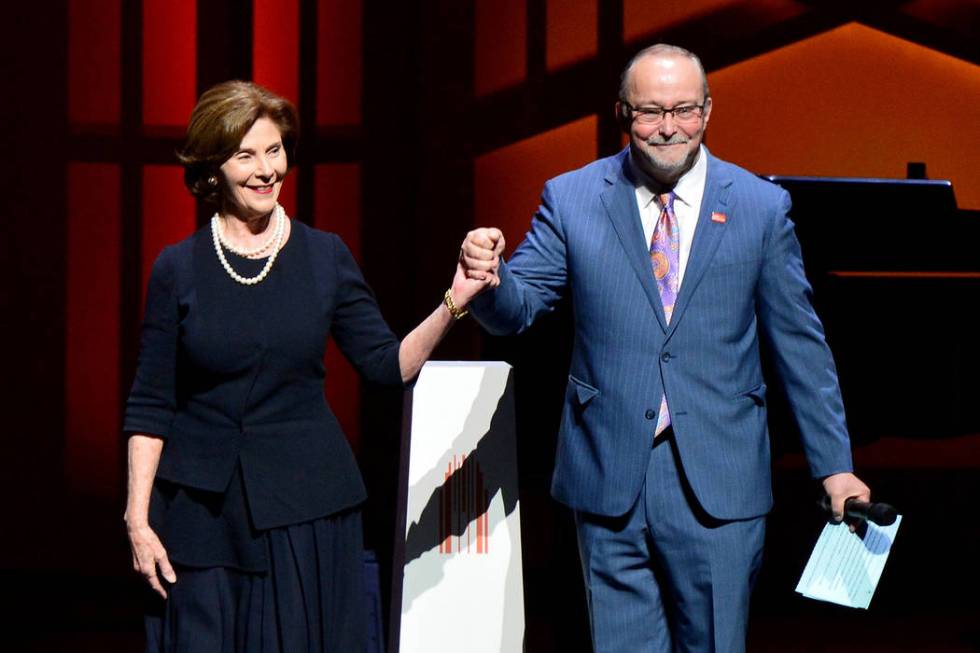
(882, 514)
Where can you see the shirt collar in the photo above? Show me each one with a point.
(686, 188)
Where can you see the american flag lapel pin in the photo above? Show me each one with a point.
(718, 217)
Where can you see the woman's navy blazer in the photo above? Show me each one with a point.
(231, 374)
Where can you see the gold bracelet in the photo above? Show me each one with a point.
(457, 313)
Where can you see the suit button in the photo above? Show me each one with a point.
(665, 357)
(650, 414)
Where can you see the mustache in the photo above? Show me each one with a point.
(676, 139)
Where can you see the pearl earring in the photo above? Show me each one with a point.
(213, 180)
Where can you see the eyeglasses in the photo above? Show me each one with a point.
(685, 113)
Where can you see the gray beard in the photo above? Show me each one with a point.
(665, 172)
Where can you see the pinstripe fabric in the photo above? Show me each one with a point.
(665, 576)
(744, 280)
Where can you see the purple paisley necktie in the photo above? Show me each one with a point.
(664, 250)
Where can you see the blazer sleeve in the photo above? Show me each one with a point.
(357, 325)
(534, 280)
(152, 400)
(803, 359)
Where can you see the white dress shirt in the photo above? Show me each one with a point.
(687, 206)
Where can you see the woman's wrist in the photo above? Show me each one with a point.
(137, 512)
(455, 310)
(135, 521)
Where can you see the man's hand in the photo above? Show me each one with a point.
(479, 255)
(840, 488)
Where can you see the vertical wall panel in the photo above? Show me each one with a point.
(572, 33)
(275, 46)
(168, 213)
(500, 57)
(338, 47)
(92, 330)
(93, 62)
(508, 181)
(338, 209)
(169, 61)
(338, 202)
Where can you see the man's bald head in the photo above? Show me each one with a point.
(662, 50)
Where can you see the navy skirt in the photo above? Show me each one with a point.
(311, 599)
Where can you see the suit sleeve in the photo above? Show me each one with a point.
(357, 325)
(803, 359)
(534, 280)
(152, 400)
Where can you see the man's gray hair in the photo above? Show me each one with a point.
(665, 50)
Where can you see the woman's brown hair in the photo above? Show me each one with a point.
(219, 122)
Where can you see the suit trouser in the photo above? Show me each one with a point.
(666, 576)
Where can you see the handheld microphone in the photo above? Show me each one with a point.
(879, 513)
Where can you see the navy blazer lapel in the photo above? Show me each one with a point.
(716, 204)
(619, 198)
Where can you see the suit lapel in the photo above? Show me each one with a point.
(619, 198)
(717, 199)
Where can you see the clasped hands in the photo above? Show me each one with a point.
(479, 256)
(478, 265)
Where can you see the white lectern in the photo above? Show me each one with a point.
(458, 584)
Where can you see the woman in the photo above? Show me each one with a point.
(242, 510)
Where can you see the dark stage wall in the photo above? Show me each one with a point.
(421, 120)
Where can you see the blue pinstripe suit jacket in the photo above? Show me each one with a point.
(744, 281)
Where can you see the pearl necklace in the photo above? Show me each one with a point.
(243, 252)
(279, 215)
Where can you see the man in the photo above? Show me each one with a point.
(677, 264)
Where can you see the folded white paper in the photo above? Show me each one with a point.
(845, 567)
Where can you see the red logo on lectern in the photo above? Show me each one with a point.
(464, 502)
